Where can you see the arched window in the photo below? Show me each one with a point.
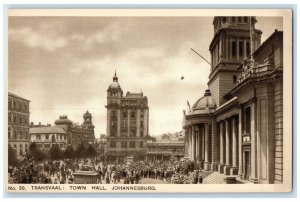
(53, 138)
(15, 148)
(21, 149)
(132, 115)
(21, 134)
(15, 135)
(9, 117)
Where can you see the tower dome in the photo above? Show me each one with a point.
(205, 104)
(63, 120)
(115, 84)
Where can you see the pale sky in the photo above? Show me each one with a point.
(64, 65)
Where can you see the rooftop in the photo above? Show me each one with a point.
(17, 96)
(47, 130)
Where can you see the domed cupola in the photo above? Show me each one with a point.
(63, 120)
(115, 84)
(205, 104)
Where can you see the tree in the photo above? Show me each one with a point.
(55, 152)
(69, 152)
(81, 151)
(91, 151)
(12, 156)
(35, 152)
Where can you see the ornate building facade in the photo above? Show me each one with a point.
(236, 128)
(18, 124)
(78, 134)
(127, 122)
(46, 136)
(165, 147)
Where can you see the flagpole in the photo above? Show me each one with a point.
(251, 48)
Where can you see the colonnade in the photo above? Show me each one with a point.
(228, 146)
(199, 144)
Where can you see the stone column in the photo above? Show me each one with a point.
(227, 148)
(206, 160)
(234, 169)
(200, 146)
(240, 142)
(193, 143)
(253, 177)
(203, 144)
(221, 165)
(213, 145)
(197, 143)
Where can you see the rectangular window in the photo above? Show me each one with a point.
(247, 48)
(132, 133)
(233, 19)
(233, 49)
(241, 49)
(113, 144)
(234, 79)
(239, 19)
(132, 144)
(124, 144)
(248, 120)
(141, 144)
(47, 137)
(142, 133)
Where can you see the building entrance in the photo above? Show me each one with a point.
(247, 165)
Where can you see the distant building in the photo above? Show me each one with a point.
(165, 147)
(236, 128)
(46, 136)
(127, 122)
(78, 134)
(18, 124)
(101, 142)
(102, 139)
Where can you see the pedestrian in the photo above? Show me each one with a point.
(200, 179)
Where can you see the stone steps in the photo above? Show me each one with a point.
(213, 178)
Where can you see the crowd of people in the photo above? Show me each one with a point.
(61, 171)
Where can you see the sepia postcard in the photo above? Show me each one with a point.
(148, 101)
